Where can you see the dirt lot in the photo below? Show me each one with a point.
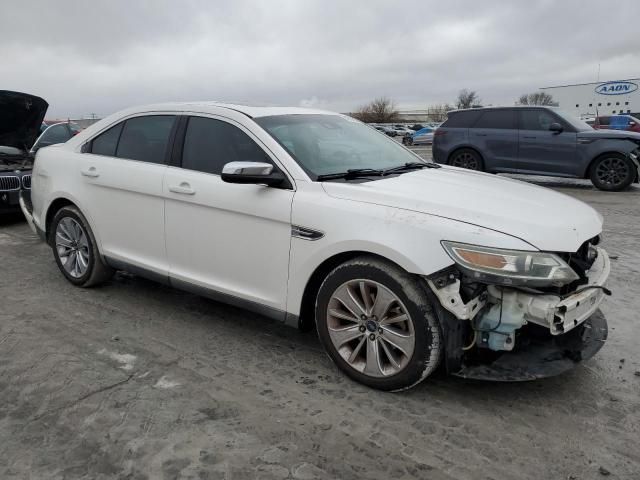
(135, 380)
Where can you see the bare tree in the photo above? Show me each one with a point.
(468, 99)
(438, 113)
(380, 110)
(536, 98)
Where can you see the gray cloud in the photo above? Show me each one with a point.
(100, 56)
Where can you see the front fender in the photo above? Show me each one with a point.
(409, 239)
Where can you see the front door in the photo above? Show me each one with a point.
(543, 151)
(229, 238)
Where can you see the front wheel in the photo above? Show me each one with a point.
(75, 249)
(377, 324)
(612, 172)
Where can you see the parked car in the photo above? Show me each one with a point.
(537, 141)
(417, 126)
(617, 122)
(421, 137)
(21, 115)
(401, 265)
(386, 130)
(55, 133)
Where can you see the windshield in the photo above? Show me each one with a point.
(575, 122)
(324, 144)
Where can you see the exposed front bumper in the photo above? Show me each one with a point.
(560, 315)
(543, 356)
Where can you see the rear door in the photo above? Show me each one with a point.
(495, 136)
(543, 151)
(122, 171)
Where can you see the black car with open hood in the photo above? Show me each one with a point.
(21, 116)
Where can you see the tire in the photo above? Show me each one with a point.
(612, 172)
(466, 158)
(408, 141)
(70, 232)
(384, 355)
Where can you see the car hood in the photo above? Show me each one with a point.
(610, 134)
(21, 116)
(545, 219)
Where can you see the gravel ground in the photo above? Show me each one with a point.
(135, 380)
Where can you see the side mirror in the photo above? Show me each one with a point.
(258, 173)
(556, 128)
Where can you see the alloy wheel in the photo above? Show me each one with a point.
(612, 171)
(465, 160)
(370, 328)
(72, 247)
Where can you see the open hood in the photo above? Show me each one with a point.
(21, 116)
(545, 219)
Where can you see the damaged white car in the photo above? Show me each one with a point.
(316, 219)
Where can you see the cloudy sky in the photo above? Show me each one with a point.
(97, 56)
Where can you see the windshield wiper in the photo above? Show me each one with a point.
(409, 166)
(351, 174)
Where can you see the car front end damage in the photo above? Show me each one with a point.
(13, 180)
(516, 315)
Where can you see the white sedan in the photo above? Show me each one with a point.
(314, 219)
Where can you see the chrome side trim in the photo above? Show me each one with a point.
(306, 233)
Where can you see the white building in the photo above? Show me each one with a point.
(598, 98)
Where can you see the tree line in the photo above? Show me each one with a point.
(384, 109)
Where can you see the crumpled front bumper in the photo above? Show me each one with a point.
(542, 357)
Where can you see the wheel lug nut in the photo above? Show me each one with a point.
(380, 331)
(372, 337)
(362, 329)
(363, 317)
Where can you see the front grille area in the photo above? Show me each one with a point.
(26, 182)
(9, 183)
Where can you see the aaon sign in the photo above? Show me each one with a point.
(616, 88)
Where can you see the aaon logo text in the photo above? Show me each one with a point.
(616, 88)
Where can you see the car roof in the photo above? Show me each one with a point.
(248, 110)
(481, 109)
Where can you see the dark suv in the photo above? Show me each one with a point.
(537, 141)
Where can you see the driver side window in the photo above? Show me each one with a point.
(536, 120)
(209, 144)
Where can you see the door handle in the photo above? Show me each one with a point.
(481, 134)
(184, 188)
(528, 137)
(90, 172)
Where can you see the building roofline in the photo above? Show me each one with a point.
(591, 83)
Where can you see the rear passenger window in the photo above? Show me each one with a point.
(501, 119)
(536, 120)
(145, 138)
(462, 119)
(209, 144)
(106, 143)
(603, 120)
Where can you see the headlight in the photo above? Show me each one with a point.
(510, 267)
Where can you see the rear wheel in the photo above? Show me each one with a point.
(466, 158)
(612, 172)
(75, 249)
(376, 323)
